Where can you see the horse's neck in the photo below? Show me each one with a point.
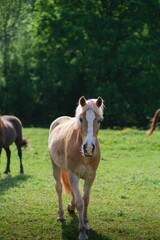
(73, 132)
(1, 123)
(78, 136)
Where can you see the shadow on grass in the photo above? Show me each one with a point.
(70, 230)
(11, 182)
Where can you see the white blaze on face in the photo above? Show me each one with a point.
(89, 140)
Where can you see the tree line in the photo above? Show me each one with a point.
(54, 51)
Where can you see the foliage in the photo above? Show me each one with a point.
(124, 200)
(57, 51)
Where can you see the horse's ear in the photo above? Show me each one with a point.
(99, 101)
(82, 101)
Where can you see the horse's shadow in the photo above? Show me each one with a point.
(11, 182)
(70, 230)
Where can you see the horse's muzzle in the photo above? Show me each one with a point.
(89, 150)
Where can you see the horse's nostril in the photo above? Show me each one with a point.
(85, 148)
(93, 148)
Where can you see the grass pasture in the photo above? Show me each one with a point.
(125, 197)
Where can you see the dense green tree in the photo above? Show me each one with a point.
(107, 48)
(17, 59)
(55, 51)
(9, 13)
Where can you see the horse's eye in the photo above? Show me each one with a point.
(81, 120)
(99, 121)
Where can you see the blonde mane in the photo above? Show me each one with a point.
(90, 104)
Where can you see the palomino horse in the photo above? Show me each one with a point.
(11, 131)
(75, 154)
(154, 121)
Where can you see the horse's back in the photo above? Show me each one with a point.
(57, 138)
(59, 127)
(11, 119)
(12, 122)
(59, 121)
(11, 129)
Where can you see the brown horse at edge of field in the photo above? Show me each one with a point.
(154, 121)
(11, 131)
(75, 154)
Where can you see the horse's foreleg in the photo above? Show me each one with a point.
(79, 203)
(86, 198)
(8, 154)
(58, 186)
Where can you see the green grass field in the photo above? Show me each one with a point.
(125, 197)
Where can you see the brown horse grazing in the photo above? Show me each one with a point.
(75, 154)
(11, 131)
(154, 121)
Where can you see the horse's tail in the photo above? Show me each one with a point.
(24, 142)
(154, 120)
(65, 181)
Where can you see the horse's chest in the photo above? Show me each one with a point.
(85, 171)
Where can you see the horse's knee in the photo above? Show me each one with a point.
(58, 187)
(80, 204)
(86, 199)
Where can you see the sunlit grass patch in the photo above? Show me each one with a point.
(124, 200)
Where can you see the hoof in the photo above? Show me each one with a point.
(70, 208)
(87, 227)
(61, 219)
(82, 236)
(6, 172)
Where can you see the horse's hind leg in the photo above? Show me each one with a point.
(71, 205)
(8, 154)
(57, 177)
(20, 156)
